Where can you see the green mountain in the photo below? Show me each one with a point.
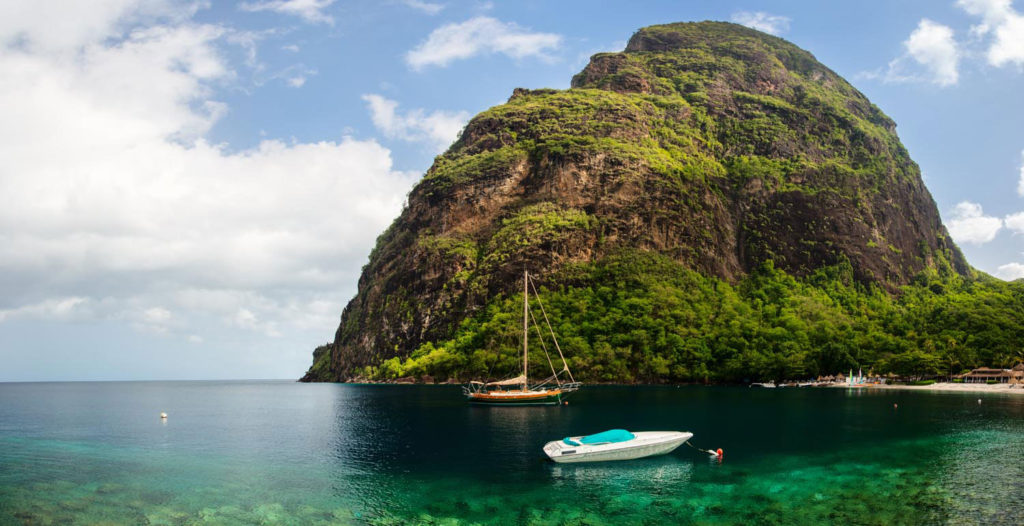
(711, 204)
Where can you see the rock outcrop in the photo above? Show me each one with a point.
(711, 144)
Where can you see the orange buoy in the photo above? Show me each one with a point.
(720, 453)
(566, 402)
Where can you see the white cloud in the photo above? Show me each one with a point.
(438, 128)
(294, 76)
(931, 48)
(156, 315)
(429, 8)
(311, 11)
(291, 47)
(762, 21)
(112, 203)
(247, 319)
(970, 225)
(1003, 24)
(1015, 222)
(1020, 184)
(156, 320)
(53, 308)
(43, 26)
(479, 35)
(1010, 271)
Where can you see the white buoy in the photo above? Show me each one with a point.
(163, 416)
(979, 400)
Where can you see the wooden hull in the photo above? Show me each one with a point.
(512, 398)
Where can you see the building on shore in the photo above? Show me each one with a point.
(1017, 374)
(983, 375)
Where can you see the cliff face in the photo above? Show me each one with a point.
(711, 144)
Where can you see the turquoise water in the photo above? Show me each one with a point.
(287, 453)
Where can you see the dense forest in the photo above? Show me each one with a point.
(640, 317)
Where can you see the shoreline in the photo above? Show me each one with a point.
(946, 387)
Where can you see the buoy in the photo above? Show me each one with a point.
(720, 453)
(566, 402)
(979, 400)
(895, 406)
(163, 416)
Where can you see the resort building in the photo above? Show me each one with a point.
(983, 375)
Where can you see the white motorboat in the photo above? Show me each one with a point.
(615, 444)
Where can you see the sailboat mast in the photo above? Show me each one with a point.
(526, 332)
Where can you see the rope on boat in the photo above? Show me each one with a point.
(540, 337)
(565, 365)
(708, 451)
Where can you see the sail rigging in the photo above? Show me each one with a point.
(479, 392)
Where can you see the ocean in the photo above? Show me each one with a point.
(278, 452)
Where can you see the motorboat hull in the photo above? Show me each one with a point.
(646, 444)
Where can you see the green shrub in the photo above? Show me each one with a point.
(991, 382)
(958, 380)
(923, 382)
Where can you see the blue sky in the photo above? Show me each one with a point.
(189, 189)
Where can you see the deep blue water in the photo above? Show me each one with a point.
(288, 453)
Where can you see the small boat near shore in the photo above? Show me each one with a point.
(615, 444)
(519, 391)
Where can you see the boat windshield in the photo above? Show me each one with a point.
(604, 437)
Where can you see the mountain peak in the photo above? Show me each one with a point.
(705, 148)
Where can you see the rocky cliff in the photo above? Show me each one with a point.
(713, 148)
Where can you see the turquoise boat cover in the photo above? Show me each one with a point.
(604, 437)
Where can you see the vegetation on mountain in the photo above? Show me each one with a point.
(638, 317)
(711, 204)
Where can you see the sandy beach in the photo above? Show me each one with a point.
(947, 386)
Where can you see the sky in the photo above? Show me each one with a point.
(189, 189)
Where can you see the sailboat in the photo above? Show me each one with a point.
(518, 390)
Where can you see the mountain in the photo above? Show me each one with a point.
(711, 204)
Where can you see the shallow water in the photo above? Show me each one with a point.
(287, 453)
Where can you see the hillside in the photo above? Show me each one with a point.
(711, 204)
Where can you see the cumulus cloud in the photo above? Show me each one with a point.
(478, 36)
(53, 308)
(762, 21)
(1020, 184)
(311, 11)
(429, 8)
(113, 206)
(1010, 271)
(931, 55)
(970, 225)
(1015, 222)
(437, 128)
(1001, 26)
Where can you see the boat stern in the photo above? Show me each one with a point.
(555, 449)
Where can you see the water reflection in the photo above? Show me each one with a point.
(657, 472)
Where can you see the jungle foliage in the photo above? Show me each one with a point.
(640, 317)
